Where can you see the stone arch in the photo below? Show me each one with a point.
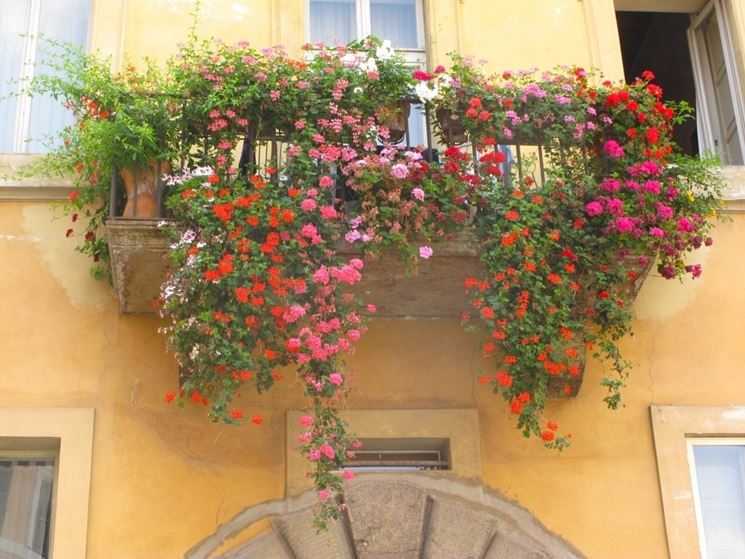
(396, 516)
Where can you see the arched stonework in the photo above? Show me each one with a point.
(396, 516)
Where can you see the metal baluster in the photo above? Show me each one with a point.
(519, 165)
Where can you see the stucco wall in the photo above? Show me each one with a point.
(163, 479)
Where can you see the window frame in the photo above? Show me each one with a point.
(69, 433)
(22, 121)
(673, 427)
(692, 442)
(706, 105)
(363, 21)
(459, 426)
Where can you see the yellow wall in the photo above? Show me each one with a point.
(163, 479)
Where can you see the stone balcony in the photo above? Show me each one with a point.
(140, 263)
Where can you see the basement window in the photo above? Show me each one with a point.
(400, 454)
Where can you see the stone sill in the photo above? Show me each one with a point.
(734, 195)
(13, 188)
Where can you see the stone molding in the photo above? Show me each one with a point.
(395, 515)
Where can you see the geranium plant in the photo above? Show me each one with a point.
(258, 282)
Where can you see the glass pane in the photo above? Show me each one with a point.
(333, 22)
(720, 471)
(417, 127)
(60, 20)
(26, 505)
(395, 20)
(12, 26)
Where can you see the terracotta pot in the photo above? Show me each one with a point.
(452, 126)
(143, 188)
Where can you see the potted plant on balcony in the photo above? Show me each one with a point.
(126, 127)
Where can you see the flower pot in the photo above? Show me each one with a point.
(451, 124)
(395, 118)
(144, 189)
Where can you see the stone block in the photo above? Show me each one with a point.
(504, 548)
(387, 519)
(457, 531)
(305, 542)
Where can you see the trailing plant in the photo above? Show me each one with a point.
(121, 120)
(259, 285)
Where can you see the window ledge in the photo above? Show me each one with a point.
(734, 194)
(13, 188)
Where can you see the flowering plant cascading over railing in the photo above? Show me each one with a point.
(259, 284)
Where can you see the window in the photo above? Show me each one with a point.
(26, 500)
(337, 22)
(412, 439)
(399, 454)
(45, 474)
(342, 21)
(718, 477)
(701, 463)
(656, 38)
(21, 54)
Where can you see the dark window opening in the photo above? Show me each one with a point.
(400, 454)
(658, 42)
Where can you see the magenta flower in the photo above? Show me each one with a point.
(418, 193)
(594, 209)
(625, 224)
(665, 212)
(685, 225)
(656, 232)
(425, 252)
(653, 187)
(612, 148)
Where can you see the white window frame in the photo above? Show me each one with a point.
(22, 121)
(692, 442)
(704, 94)
(364, 28)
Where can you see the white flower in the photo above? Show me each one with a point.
(369, 65)
(349, 59)
(425, 93)
(187, 237)
(384, 51)
(445, 80)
